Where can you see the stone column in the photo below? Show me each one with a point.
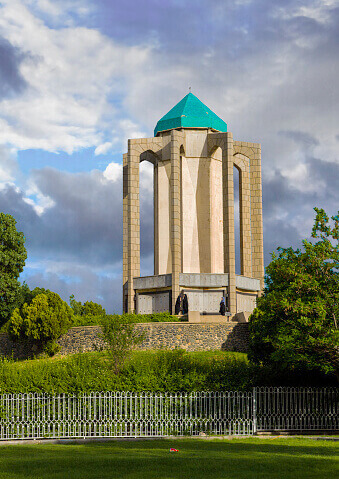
(175, 213)
(256, 217)
(228, 219)
(133, 207)
(125, 232)
(156, 218)
(245, 221)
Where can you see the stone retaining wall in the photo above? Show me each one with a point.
(191, 337)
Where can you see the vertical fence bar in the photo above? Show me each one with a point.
(254, 410)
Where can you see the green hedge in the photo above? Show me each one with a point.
(154, 318)
(97, 320)
(138, 318)
(145, 371)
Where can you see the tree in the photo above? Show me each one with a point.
(12, 261)
(93, 309)
(295, 324)
(42, 321)
(26, 295)
(119, 332)
(89, 308)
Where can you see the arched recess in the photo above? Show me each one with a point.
(241, 163)
(148, 216)
(237, 219)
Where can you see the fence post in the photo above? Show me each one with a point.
(254, 398)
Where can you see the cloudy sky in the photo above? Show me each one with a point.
(79, 77)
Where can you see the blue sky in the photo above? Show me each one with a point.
(80, 77)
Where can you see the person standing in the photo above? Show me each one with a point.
(181, 305)
(222, 309)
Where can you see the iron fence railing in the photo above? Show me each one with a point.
(124, 414)
(127, 414)
(296, 409)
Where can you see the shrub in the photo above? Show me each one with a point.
(156, 318)
(41, 322)
(87, 320)
(151, 318)
(79, 320)
(119, 333)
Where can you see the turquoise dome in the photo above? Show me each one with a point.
(190, 112)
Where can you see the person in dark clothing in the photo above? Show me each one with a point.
(177, 306)
(184, 304)
(181, 305)
(222, 309)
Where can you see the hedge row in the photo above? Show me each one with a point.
(138, 318)
(145, 371)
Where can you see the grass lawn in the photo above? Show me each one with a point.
(237, 458)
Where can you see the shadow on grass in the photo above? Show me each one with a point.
(151, 459)
(299, 446)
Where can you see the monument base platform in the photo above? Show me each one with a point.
(153, 294)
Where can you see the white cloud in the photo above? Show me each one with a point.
(60, 12)
(103, 148)
(113, 172)
(71, 73)
(8, 167)
(35, 198)
(127, 129)
(299, 178)
(46, 6)
(146, 178)
(319, 10)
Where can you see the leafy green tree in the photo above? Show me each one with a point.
(295, 324)
(42, 321)
(75, 305)
(26, 295)
(89, 308)
(12, 261)
(120, 334)
(93, 309)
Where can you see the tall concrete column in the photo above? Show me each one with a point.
(125, 233)
(256, 218)
(175, 213)
(156, 217)
(133, 210)
(228, 219)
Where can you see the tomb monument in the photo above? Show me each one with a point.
(194, 156)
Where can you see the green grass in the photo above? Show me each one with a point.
(206, 459)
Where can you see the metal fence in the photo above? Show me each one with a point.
(126, 414)
(296, 409)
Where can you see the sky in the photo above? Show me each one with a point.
(80, 77)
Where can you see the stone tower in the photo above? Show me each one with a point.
(194, 236)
